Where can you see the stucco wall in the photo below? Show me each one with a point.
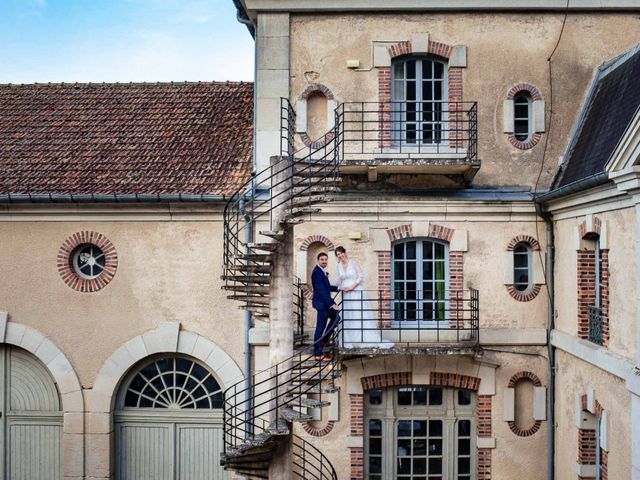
(620, 238)
(167, 272)
(502, 50)
(574, 377)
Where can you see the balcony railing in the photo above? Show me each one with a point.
(595, 325)
(440, 131)
(372, 319)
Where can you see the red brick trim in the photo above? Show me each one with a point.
(385, 380)
(357, 414)
(597, 228)
(400, 232)
(528, 239)
(318, 143)
(315, 88)
(524, 87)
(399, 49)
(587, 444)
(65, 260)
(455, 380)
(524, 432)
(317, 239)
(318, 432)
(357, 463)
(525, 296)
(586, 266)
(484, 430)
(440, 232)
(535, 95)
(520, 375)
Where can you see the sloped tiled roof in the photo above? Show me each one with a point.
(121, 139)
(614, 99)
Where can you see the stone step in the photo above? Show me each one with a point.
(308, 200)
(275, 234)
(265, 247)
(254, 257)
(297, 211)
(249, 268)
(258, 289)
(306, 402)
(251, 474)
(252, 299)
(291, 415)
(249, 279)
(319, 388)
(291, 221)
(259, 310)
(314, 189)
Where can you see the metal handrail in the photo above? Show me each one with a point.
(445, 130)
(307, 459)
(414, 317)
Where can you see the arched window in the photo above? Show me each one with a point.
(419, 93)
(168, 421)
(522, 267)
(522, 116)
(420, 280)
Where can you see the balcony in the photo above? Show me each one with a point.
(420, 322)
(434, 137)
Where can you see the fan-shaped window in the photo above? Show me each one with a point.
(173, 383)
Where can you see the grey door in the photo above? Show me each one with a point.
(30, 419)
(169, 422)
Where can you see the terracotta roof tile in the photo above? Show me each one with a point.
(163, 138)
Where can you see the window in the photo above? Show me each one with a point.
(522, 267)
(88, 261)
(420, 277)
(419, 433)
(418, 93)
(522, 116)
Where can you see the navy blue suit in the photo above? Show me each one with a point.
(322, 302)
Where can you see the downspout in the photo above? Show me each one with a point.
(248, 236)
(551, 351)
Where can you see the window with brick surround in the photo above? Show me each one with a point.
(418, 92)
(420, 270)
(522, 267)
(420, 433)
(522, 116)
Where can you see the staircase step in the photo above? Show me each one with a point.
(255, 257)
(275, 234)
(307, 200)
(306, 402)
(295, 211)
(255, 279)
(291, 415)
(266, 247)
(251, 474)
(254, 299)
(259, 310)
(250, 268)
(314, 189)
(319, 388)
(291, 221)
(258, 289)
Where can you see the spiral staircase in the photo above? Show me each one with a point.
(258, 416)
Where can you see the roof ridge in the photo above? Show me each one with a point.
(186, 82)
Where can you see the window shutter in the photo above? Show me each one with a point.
(508, 113)
(538, 116)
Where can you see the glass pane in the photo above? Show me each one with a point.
(435, 465)
(435, 428)
(411, 271)
(464, 428)
(398, 270)
(375, 428)
(420, 396)
(404, 465)
(419, 428)
(404, 428)
(419, 465)
(520, 260)
(404, 396)
(375, 464)
(464, 465)
(435, 447)
(411, 69)
(375, 397)
(427, 69)
(435, 396)
(464, 397)
(464, 447)
(411, 96)
(404, 448)
(439, 251)
(398, 251)
(398, 70)
(438, 69)
(420, 447)
(411, 250)
(398, 94)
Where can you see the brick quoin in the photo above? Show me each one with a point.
(587, 444)
(586, 273)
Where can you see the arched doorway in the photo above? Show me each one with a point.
(168, 422)
(30, 418)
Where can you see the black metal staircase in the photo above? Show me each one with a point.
(258, 417)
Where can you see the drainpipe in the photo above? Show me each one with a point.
(551, 351)
(248, 237)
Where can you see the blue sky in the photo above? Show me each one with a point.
(122, 41)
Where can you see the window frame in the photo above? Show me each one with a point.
(419, 281)
(398, 105)
(450, 412)
(529, 267)
(528, 100)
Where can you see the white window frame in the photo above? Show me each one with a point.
(529, 270)
(528, 118)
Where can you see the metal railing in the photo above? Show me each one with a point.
(596, 325)
(309, 463)
(440, 130)
(374, 319)
(287, 127)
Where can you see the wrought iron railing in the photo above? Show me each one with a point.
(374, 319)
(309, 463)
(596, 325)
(439, 130)
(298, 306)
(287, 127)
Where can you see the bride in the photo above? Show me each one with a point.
(359, 329)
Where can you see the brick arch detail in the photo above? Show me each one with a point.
(318, 431)
(317, 239)
(596, 228)
(400, 232)
(317, 88)
(533, 243)
(483, 414)
(524, 87)
(437, 49)
(524, 432)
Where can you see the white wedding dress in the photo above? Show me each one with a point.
(359, 329)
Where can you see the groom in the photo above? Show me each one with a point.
(323, 303)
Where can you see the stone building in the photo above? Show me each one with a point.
(422, 138)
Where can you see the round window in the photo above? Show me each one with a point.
(88, 261)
